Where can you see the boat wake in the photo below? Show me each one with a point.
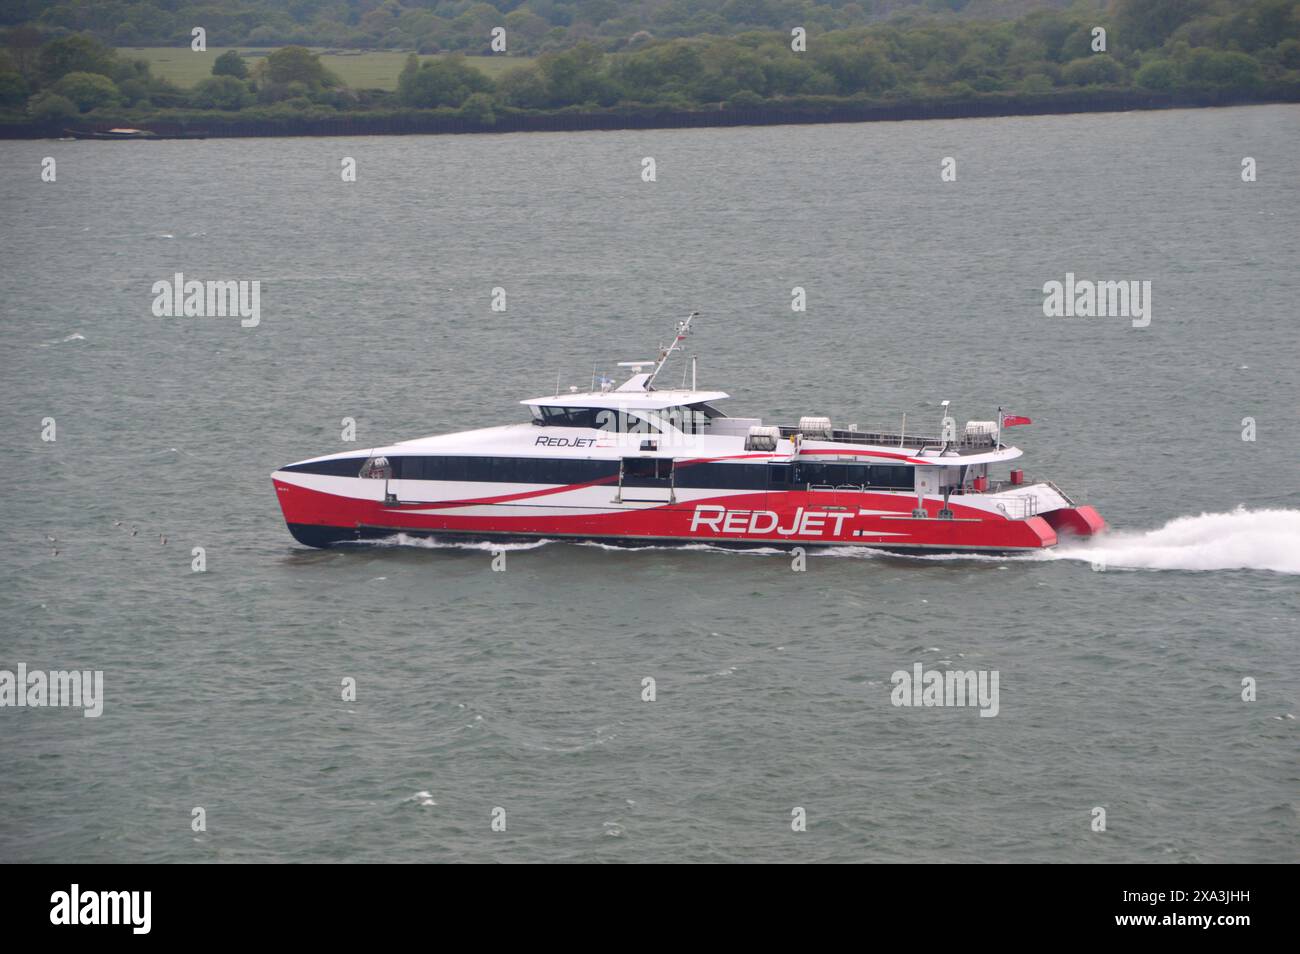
(1238, 540)
(431, 543)
(682, 548)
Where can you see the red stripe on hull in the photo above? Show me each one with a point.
(790, 517)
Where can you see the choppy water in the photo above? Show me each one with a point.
(478, 689)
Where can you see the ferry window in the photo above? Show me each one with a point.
(893, 477)
(521, 470)
(596, 418)
(778, 475)
(539, 471)
(626, 423)
(729, 476)
(688, 420)
(569, 416)
(344, 467)
(708, 410)
(644, 469)
(904, 477)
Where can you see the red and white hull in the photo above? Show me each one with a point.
(635, 464)
(321, 510)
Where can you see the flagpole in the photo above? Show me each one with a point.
(999, 447)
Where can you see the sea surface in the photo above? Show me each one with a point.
(518, 695)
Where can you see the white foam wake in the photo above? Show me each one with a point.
(1239, 540)
(431, 543)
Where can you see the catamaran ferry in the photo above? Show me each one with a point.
(637, 464)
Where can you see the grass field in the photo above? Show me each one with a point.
(371, 70)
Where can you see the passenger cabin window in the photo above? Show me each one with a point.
(881, 476)
(521, 470)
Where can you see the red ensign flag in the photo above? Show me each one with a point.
(1011, 420)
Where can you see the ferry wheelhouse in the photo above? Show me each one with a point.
(637, 464)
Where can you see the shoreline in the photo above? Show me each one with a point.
(439, 122)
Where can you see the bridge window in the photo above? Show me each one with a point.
(595, 418)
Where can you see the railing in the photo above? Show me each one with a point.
(859, 488)
(1000, 486)
(1019, 508)
(897, 438)
(1064, 496)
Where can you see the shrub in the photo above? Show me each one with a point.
(51, 107)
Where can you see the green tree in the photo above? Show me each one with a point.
(1096, 69)
(220, 92)
(1035, 83)
(230, 63)
(1222, 69)
(51, 107)
(79, 53)
(441, 81)
(1258, 25)
(411, 67)
(523, 87)
(24, 43)
(577, 76)
(134, 91)
(745, 99)
(524, 30)
(477, 108)
(88, 90)
(1288, 54)
(291, 64)
(858, 69)
(13, 90)
(1161, 75)
(1143, 24)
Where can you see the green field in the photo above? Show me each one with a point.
(371, 70)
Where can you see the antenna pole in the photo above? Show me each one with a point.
(683, 329)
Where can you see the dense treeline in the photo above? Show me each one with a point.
(433, 26)
(1163, 46)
